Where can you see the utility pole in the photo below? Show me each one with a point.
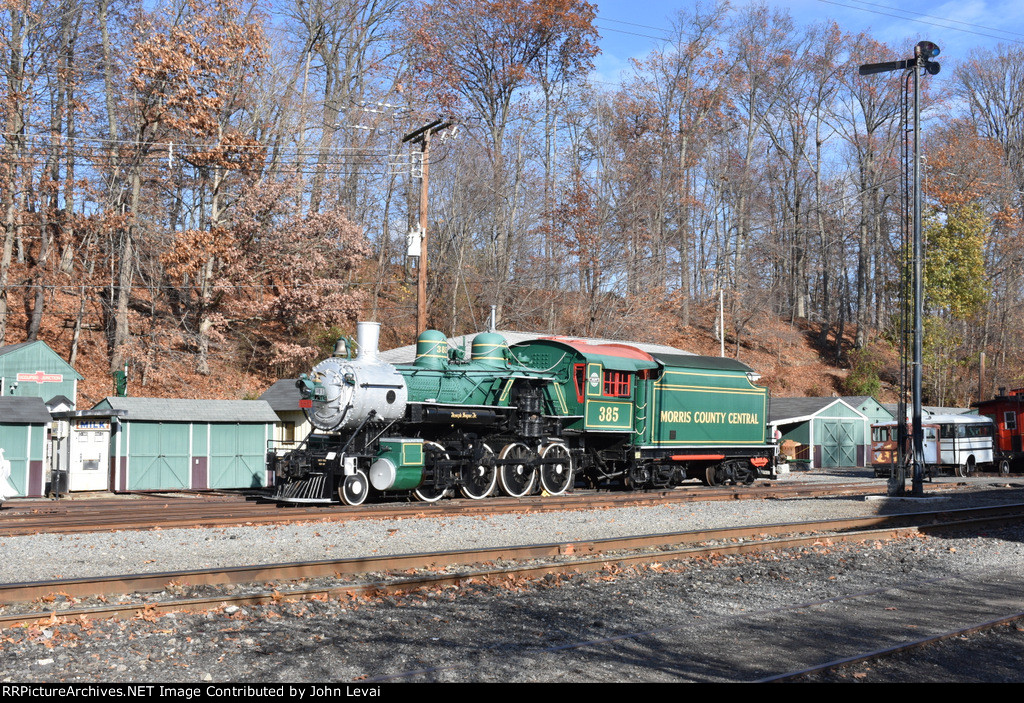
(421, 136)
(921, 62)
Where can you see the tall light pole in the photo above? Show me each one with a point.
(422, 137)
(924, 52)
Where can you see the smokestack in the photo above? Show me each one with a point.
(367, 337)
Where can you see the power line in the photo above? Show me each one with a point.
(943, 19)
(929, 21)
(43, 133)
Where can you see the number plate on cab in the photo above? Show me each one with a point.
(609, 415)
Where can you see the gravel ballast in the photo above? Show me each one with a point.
(683, 621)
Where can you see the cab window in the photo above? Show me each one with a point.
(616, 384)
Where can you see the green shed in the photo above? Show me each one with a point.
(23, 425)
(33, 370)
(827, 432)
(159, 444)
(874, 411)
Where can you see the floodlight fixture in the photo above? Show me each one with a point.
(920, 63)
(926, 50)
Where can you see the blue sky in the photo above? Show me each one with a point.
(628, 27)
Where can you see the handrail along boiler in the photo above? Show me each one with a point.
(533, 416)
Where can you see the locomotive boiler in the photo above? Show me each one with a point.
(531, 417)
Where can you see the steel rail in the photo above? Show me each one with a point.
(142, 514)
(895, 649)
(585, 556)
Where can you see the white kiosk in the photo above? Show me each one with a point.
(89, 454)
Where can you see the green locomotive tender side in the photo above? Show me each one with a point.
(655, 419)
(706, 401)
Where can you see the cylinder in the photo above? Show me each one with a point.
(398, 465)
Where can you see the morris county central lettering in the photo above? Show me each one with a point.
(709, 417)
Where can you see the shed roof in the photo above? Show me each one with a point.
(927, 409)
(11, 348)
(16, 410)
(789, 410)
(938, 418)
(187, 410)
(283, 396)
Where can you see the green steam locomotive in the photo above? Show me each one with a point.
(534, 416)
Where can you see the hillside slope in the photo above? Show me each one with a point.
(784, 354)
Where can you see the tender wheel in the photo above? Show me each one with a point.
(556, 479)
(750, 476)
(432, 493)
(518, 478)
(479, 479)
(354, 489)
(711, 476)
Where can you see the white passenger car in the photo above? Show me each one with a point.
(960, 444)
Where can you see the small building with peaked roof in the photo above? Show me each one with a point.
(822, 432)
(23, 428)
(874, 411)
(168, 444)
(34, 370)
(293, 424)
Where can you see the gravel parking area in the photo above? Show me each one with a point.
(713, 620)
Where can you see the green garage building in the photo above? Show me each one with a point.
(23, 425)
(33, 370)
(159, 444)
(828, 432)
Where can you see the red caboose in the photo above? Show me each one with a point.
(1007, 411)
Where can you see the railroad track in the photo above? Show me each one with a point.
(185, 511)
(783, 616)
(400, 574)
(901, 648)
